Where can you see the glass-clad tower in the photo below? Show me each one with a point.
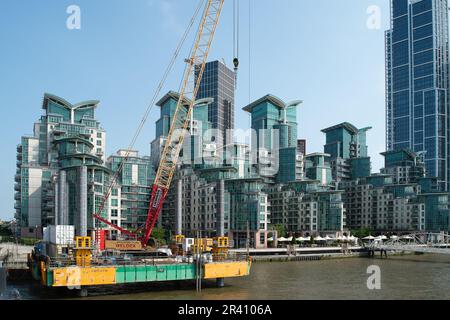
(218, 82)
(417, 84)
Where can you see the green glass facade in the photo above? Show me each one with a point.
(66, 138)
(135, 181)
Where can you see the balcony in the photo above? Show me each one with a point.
(49, 195)
(49, 205)
(17, 197)
(19, 156)
(19, 164)
(17, 178)
(19, 148)
(17, 187)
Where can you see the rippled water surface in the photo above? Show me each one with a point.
(405, 277)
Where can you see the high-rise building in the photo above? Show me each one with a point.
(197, 145)
(129, 200)
(348, 151)
(275, 123)
(218, 82)
(417, 82)
(60, 176)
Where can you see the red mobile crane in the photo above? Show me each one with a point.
(181, 119)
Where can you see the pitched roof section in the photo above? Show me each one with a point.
(170, 95)
(66, 104)
(270, 98)
(348, 126)
(409, 152)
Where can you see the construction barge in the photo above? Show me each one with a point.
(82, 266)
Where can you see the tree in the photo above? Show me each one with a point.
(362, 233)
(280, 230)
(159, 234)
(5, 231)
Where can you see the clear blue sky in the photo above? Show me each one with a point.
(320, 51)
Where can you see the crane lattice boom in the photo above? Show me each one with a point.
(180, 122)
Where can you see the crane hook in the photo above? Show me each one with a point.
(236, 67)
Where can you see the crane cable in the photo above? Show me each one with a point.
(249, 56)
(150, 106)
(236, 33)
(249, 49)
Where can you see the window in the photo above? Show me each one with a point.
(424, 83)
(430, 126)
(401, 78)
(423, 44)
(400, 53)
(423, 32)
(423, 19)
(400, 30)
(423, 70)
(423, 57)
(399, 8)
(401, 129)
(401, 103)
(99, 142)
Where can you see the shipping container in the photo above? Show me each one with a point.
(62, 235)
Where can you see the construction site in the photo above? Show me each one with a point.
(77, 254)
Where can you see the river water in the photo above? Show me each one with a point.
(402, 277)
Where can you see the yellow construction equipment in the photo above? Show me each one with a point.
(83, 251)
(220, 248)
(179, 239)
(203, 245)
